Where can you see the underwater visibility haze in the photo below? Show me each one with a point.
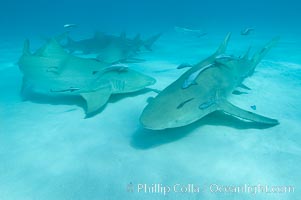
(114, 99)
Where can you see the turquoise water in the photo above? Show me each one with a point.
(50, 150)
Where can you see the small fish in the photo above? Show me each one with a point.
(53, 70)
(247, 31)
(184, 102)
(184, 65)
(197, 33)
(120, 65)
(118, 68)
(225, 57)
(253, 107)
(71, 89)
(70, 25)
(206, 104)
(237, 92)
(70, 110)
(191, 79)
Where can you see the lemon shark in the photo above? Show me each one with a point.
(203, 89)
(100, 41)
(121, 50)
(52, 71)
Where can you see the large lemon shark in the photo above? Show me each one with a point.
(204, 89)
(52, 71)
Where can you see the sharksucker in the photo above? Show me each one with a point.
(184, 102)
(71, 89)
(213, 100)
(184, 65)
(191, 79)
(247, 31)
(225, 58)
(207, 104)
(118, 68)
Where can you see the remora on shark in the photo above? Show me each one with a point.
(203, 89)
(52, 71)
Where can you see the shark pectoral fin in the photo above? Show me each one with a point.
(230, 109)
(244, 86)
(96, 100)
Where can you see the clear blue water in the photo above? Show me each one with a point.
(49, 150)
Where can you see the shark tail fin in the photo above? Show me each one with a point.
(123, 36)
(260, 54)
(26, 47)
(149, 42)
(223, 46)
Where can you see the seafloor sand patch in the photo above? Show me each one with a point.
(49, 151)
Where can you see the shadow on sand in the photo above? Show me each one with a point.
(146, 139)
(76, 99)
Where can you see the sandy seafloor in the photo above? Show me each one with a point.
(49, 151)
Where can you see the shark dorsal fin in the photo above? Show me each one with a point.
(246, 56)
(123, 35)
(98, 35)
(26, 48)
(137, 38)
(52, 49)
(223, 46)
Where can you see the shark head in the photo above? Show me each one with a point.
(137, 81)
(128, 81)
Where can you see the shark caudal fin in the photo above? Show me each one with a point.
(149, 42)
(223, 46)
(261, 53)
(233, 110)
